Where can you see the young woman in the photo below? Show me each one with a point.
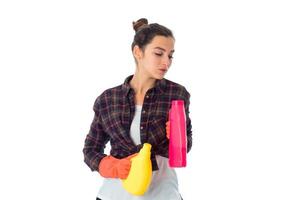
(134, 113)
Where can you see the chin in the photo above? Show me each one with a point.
(159, 77)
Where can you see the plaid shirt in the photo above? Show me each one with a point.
(114, 111)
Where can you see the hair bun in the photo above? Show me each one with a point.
(139, 24)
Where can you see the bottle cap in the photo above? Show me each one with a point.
(146, 147)
(177, 102)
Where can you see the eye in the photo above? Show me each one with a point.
(160, 54)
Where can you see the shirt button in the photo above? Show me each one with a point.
(142, 127)
(144, 111)
(147, 96)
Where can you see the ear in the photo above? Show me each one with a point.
(137, 52)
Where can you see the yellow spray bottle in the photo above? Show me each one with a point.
(140, 174)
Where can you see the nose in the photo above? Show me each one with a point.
(166, 63)
(165, 66)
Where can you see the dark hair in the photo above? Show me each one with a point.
(144, 32)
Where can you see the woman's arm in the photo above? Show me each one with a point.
(188, 122)
(95, 140)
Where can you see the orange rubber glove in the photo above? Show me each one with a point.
(111, 167)
(168, 129)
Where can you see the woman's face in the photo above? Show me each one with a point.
(157, 57)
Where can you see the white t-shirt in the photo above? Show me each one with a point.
(164, 184)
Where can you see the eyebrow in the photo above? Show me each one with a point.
(164, 49)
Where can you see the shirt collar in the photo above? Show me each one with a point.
(160, 85)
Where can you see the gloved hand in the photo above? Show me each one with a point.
(111, 167)
(168, 129)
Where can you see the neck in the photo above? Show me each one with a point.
(141, 83)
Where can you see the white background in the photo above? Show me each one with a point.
(238, 59)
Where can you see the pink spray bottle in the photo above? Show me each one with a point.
(177, 140)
